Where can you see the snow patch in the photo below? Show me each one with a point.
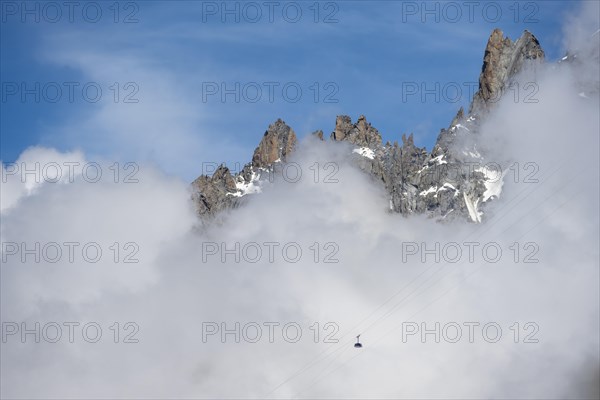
(459, 126)
(435, 189)
(472, 208)
(449, 186)
(244, 188)
(494, 180)
(439, 160)
(462, 126)
(432, 189)
(365, 152)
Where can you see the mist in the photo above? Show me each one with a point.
(320, 251)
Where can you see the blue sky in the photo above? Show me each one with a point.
(358, 55)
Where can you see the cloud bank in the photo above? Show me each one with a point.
(314, 250)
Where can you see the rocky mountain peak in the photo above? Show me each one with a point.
(276, 145)
(360, 134)
(408, 142)
(434, 183)
(502, 59)
(223, 176)
(318, 134)
(208, 191)
(343, 126)
(460, 116)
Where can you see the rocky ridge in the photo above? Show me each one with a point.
(451, 182)
(225, 190)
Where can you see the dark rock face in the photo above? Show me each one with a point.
(502, 60)
(400, 166)
(318, 134)
(224, 190)
(361, 134)
(436, 184)
(277, 143)
(449, 183)
(213, 194)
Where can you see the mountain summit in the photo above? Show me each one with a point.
(451, 182)
(502, 60)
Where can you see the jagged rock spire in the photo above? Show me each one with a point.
(211, 192)
(277, 144)
(501, 61)
(361, 134)
(221, 191)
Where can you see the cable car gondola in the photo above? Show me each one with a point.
(357, 344)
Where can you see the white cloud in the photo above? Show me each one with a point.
(370, 291)
(34, 167)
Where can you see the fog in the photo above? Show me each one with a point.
(370, 275)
